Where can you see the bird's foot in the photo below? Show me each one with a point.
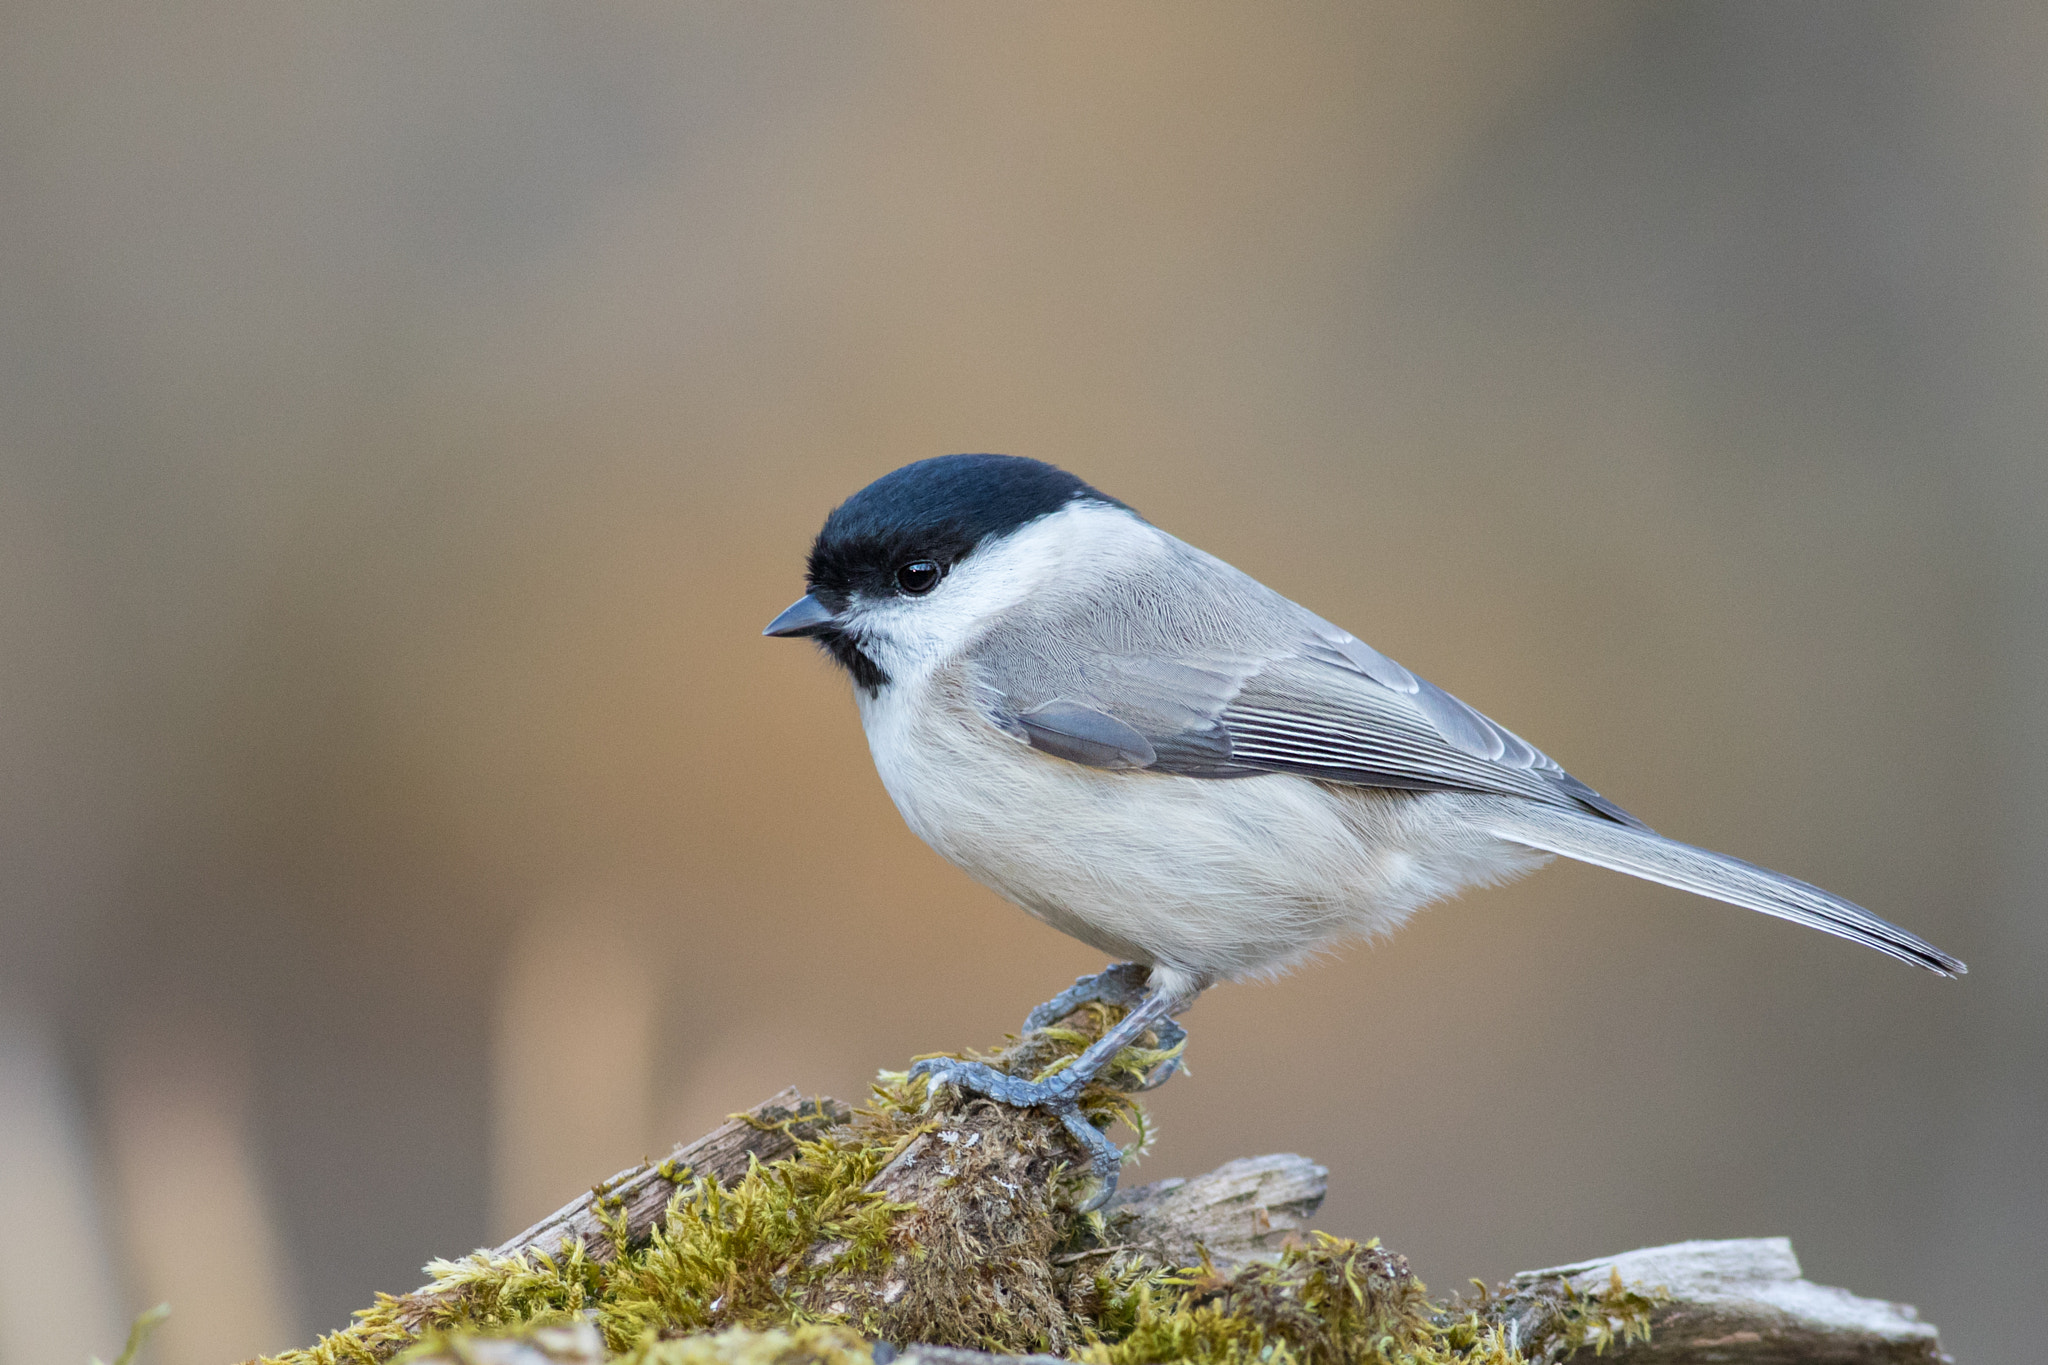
(1145, 1009)
(1124, 985)
(1059, 1097)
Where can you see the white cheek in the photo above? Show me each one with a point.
(910, 636)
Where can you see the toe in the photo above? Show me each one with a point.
(1104, 1158)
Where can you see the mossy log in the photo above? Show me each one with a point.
(933, 1228)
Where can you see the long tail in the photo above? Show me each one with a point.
(1652, 857)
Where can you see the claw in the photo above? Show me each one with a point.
(1058, 1097)
(982, 1079)
(1124, 985)
(1104, 1156)
(1172, 1037)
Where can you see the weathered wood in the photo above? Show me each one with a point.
(1244, 1210)
(636, 1198)
(1735, 1301)
(767, 1132)
(576, 1343)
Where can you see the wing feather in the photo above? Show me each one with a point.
(1307, 715)
(1222, 677)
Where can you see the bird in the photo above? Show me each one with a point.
(1155, 753)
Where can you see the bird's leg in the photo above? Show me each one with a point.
(1124, 985)
(1060, 1096)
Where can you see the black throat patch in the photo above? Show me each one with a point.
(847, 653)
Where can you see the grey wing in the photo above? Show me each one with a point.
(1310, 699)
(1337, 709)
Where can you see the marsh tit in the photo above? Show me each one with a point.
(1159, 755)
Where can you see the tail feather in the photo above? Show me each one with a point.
(1641, 853)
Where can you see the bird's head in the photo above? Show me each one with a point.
(911, 566)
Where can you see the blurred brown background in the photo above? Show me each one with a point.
(409, 416)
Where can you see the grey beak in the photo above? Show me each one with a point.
(806, 616)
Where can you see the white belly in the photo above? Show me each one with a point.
(1211, 878)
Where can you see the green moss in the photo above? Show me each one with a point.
(724, 1256)
(971, 1263)
(1327, 1302)
(1558, 1320)
(804, 1260)
(742, 1257)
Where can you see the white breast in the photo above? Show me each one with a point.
(1212, 879)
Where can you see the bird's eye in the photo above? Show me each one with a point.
(919, 576)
